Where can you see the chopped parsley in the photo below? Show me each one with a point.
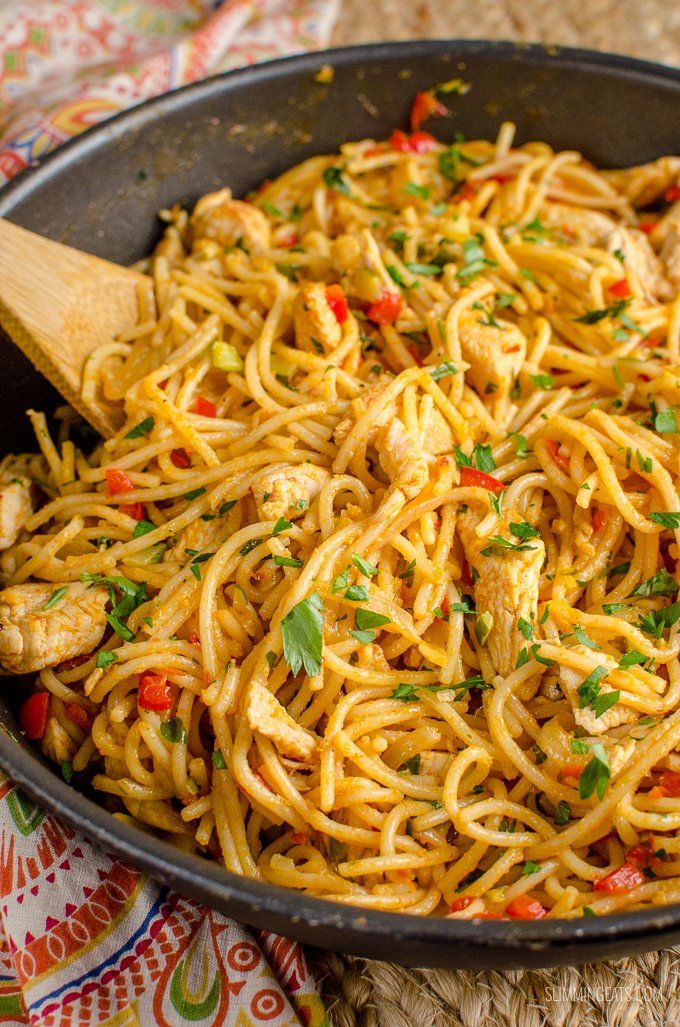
(302, 631)
(143, 428)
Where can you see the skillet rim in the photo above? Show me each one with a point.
(367, 932)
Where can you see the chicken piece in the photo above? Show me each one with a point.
(506, 586)
(645, 183)
(316, 326)
(640, 260)
(32, 637)
(437, 437)
(435, 763)
(571, 680)
(358, 407)
(588, 226)
(401, 458)
(266, 715)
(57, 743)
(198, 537)
(495, 354)
(16, 507)
(217, 216)
(279, 493)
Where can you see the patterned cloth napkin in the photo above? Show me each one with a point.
(84, 939)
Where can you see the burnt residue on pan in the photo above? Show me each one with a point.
(101, 192)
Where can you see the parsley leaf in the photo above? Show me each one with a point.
(583, 638)
(365, 619)
(173, 730)
(356, 594)
(335, 179)
(542, 381)
(143, 428)
(302, 631)
(595, 775)
(281, 525)
(58, 594)
(660, 584)
(667, 519)
(364, 566)
(105, 658)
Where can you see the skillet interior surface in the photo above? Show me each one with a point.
(100, 193)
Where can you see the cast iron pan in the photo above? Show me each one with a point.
(101, 192)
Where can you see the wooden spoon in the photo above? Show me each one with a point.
(58, 305)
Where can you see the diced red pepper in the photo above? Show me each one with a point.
(134, 510)
(117, 481)
(386, 309)
(462, 903)
(599, 520)
(488, 914)
(620, 289)
(33, 715)
(640, 856)
(195, 638)
(657, 792)
(526, 908)
(571, 770)
(501, 179)
(670, 780)
(417, 142)
(154, 692)
(337, 301)
(647, 227)
(78, 715)
(554, 450)
(468, 191)
(425, 106)
(672, 194)
(204, 407)
(624, 878)
(180, 458)
(470, 476)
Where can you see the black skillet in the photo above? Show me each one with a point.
(101, 192)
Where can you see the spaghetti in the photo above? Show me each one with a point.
(373, 595)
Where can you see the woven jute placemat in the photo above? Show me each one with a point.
(643, 991)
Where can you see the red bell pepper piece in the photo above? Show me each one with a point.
(647, 227)
(470, 476)
(117, 481)
(78, 715)
(670, 780)
(468, 191)
(554, 450)
(672, 194)
(640, 856)
(620, 289)
(417, 142)
(462, 903)
(599, 520)
(526, 908)
(154, 692)
(204, 407)
(424, 107)
(624, 878)
(180, 458)
(386, 309)
(134, 510)
(33, 715)
(337, 301)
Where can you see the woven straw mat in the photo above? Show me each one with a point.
(643, 991)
